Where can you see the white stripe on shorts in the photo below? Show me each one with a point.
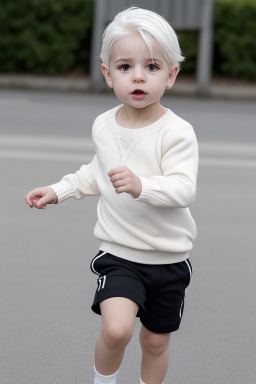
(189, 268)
(96, 258)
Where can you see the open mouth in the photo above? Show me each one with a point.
(138, 92)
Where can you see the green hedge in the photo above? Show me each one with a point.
(234, 40)
(53, 37)
(235, 31)
(189, 42)
(45, 36)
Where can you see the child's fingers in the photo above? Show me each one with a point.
(118, 174)
(29, 198)
(40, 197)
(34, 193)
(117, 177)
(116, 171)
(41, 203)
(28, 201)
(118, 183)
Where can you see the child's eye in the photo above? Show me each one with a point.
(125, 67)
(152, 67)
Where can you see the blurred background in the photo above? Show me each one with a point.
(51, 90)
(54, 38)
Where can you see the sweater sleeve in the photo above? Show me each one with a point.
(176, 187)
(78, 185)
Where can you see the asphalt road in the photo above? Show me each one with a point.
(65, 114)
(47, 330)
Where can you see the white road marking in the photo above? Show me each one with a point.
(214, 154)
(46, 156)
(222, 162)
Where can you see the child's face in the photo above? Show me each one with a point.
(136, 80)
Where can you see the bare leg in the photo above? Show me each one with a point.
(118, 321)
(155, 356)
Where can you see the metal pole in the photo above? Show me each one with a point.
(97, 80)
(204, 66)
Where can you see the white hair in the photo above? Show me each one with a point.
(148, 24)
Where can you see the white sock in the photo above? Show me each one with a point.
(142, 382)
(102, 379)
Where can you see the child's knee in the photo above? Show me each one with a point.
(154, 343)
(116, 333)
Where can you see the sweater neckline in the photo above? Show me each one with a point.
(136, 132)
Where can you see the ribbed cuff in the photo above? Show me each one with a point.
(63, 190)
(146, 195)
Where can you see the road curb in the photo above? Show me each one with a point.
(45, 83)
(228, 150)
(68, 84)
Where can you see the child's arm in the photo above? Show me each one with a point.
(176, 187)
(77, 185)
(40, 197)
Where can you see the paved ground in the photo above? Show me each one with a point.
(47, 331)
(65, 114)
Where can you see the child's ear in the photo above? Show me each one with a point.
(172, 75)
(106, 74)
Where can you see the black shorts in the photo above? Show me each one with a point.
(159, 290)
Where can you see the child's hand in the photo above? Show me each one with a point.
(124, 180)
(40, 197)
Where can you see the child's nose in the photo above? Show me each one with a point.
(138, 75)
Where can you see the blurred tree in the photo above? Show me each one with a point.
(45, 36)
(189, 46)
(235, 31)
(54, 37)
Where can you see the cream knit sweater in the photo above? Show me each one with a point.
(157, 227)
